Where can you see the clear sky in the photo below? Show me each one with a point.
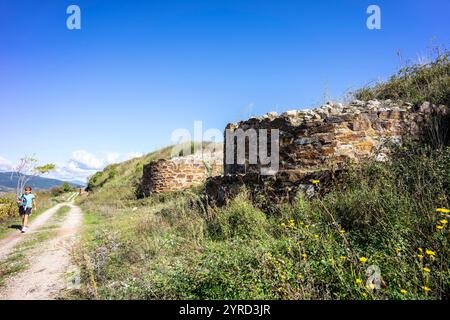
(137, 70)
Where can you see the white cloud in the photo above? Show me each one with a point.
(70, 171)
(80, 166)
(5, 164)
(84, 164)
(86, 160)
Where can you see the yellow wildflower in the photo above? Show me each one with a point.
(343, 257)
(427, 270)
(430, 253)
(426, 289)
(370, 285)
(420, 256)
(304, 255)
(443, 221)
(439, 227)
(397, 250)
(342, 231)
(443, 210)
(358, 281)
(403, 291)
(316, 236)
(315, 182)
(420, 249)
(363, 259)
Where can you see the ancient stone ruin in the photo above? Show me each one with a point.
(316, 144)
(179, 173)
(313, 145)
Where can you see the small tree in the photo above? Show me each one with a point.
(27, 169)
(66, 187)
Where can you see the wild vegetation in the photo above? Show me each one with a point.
(62, 189)
(381, 233)
(415, 82)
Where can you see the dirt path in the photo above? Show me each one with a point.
(48, 262)
(13, 239)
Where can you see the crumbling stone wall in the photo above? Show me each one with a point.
(329, 136)
(177, 174)
(316, 144)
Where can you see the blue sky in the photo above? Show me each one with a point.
(137, 70)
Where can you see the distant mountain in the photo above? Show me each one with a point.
(8, 184)
(5, 189)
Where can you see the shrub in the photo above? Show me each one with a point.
(240, 219)
(8, 206)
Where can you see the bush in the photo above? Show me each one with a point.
(64, 188)
(8, 206)
(240, 219)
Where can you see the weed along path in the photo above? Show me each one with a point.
(35, 265)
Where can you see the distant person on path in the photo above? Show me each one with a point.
(27, 202)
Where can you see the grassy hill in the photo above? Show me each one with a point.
(124, 178)
(384, 223)
(125, 174)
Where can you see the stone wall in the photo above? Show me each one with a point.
(329, 136)
(177, 174)
(316, 145)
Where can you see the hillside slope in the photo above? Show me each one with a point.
(381, 232)
(125, 174)
(125, 177)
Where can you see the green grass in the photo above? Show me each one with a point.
(172, 248)
(415, 83)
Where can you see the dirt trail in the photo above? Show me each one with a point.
(48, 262)
(10, 241)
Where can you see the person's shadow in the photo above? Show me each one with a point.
(15, 226)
